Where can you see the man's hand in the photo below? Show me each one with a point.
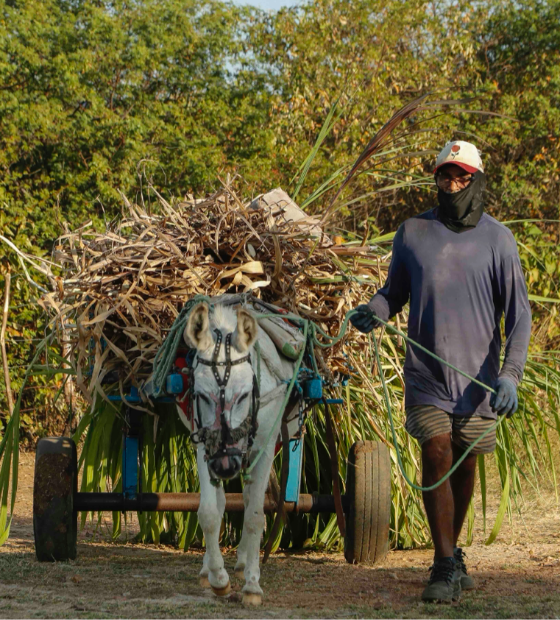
(505, 400)
(364, 319)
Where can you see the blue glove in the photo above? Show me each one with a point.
(364, 320)
(505, 400)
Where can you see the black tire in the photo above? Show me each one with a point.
(368, 491)
(55, 523)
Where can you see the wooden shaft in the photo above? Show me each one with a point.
(189, 502)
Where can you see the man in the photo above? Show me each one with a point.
(460, 270)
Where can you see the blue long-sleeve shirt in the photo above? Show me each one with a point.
(459, 286)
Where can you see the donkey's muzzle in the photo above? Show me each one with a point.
(225, 465)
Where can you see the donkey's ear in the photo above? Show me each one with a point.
(246, 332)
(197, 331)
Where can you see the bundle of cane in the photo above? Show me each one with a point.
(121, 289)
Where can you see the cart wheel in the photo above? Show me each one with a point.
(368, 489)
(55, 523)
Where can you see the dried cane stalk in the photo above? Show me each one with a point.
(7, 382)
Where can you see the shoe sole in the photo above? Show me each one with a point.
(454, 597)
(467, 586)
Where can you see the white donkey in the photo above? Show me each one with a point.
(231, 426)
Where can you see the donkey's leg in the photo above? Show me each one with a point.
(254, 525)
(242, 547)
(210, 513)
(274, 488)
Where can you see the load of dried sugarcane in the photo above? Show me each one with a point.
(121, 289)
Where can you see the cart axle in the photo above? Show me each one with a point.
(189, 502)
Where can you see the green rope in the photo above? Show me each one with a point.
(166, 355)
(334, 339)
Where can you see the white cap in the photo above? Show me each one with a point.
(463, 154)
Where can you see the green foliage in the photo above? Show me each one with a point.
(377, 55)
(541, 263)
(95, 92)
(521, 45)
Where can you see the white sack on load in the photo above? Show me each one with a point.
(283, 210)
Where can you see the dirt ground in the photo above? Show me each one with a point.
(518, 576)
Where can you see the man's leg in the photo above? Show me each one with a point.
(437, 459)
(462, 487)
(465, 431)
(432, 428)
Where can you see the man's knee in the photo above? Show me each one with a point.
(437, 451)
(468, 464)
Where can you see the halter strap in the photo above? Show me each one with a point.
(228, 363)
(249, 426)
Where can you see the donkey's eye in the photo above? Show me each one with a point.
(204, 397)
(242, 398)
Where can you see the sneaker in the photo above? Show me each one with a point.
(445, 582)
(467, 582)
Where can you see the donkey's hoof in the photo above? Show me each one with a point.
(252, 599)
(239, 572)
(222, 591)
(203, 581)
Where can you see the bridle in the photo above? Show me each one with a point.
(216, 441)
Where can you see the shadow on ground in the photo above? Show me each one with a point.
(115, 580)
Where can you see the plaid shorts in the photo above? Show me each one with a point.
(426, 421)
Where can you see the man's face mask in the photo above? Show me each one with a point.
(460, 199)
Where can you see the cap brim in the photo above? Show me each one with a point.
(465, 167)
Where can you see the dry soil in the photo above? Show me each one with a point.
(517, 576)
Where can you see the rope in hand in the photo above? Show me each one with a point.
(314, 329)
(333, 340)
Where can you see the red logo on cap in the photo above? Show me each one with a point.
(455, 148)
